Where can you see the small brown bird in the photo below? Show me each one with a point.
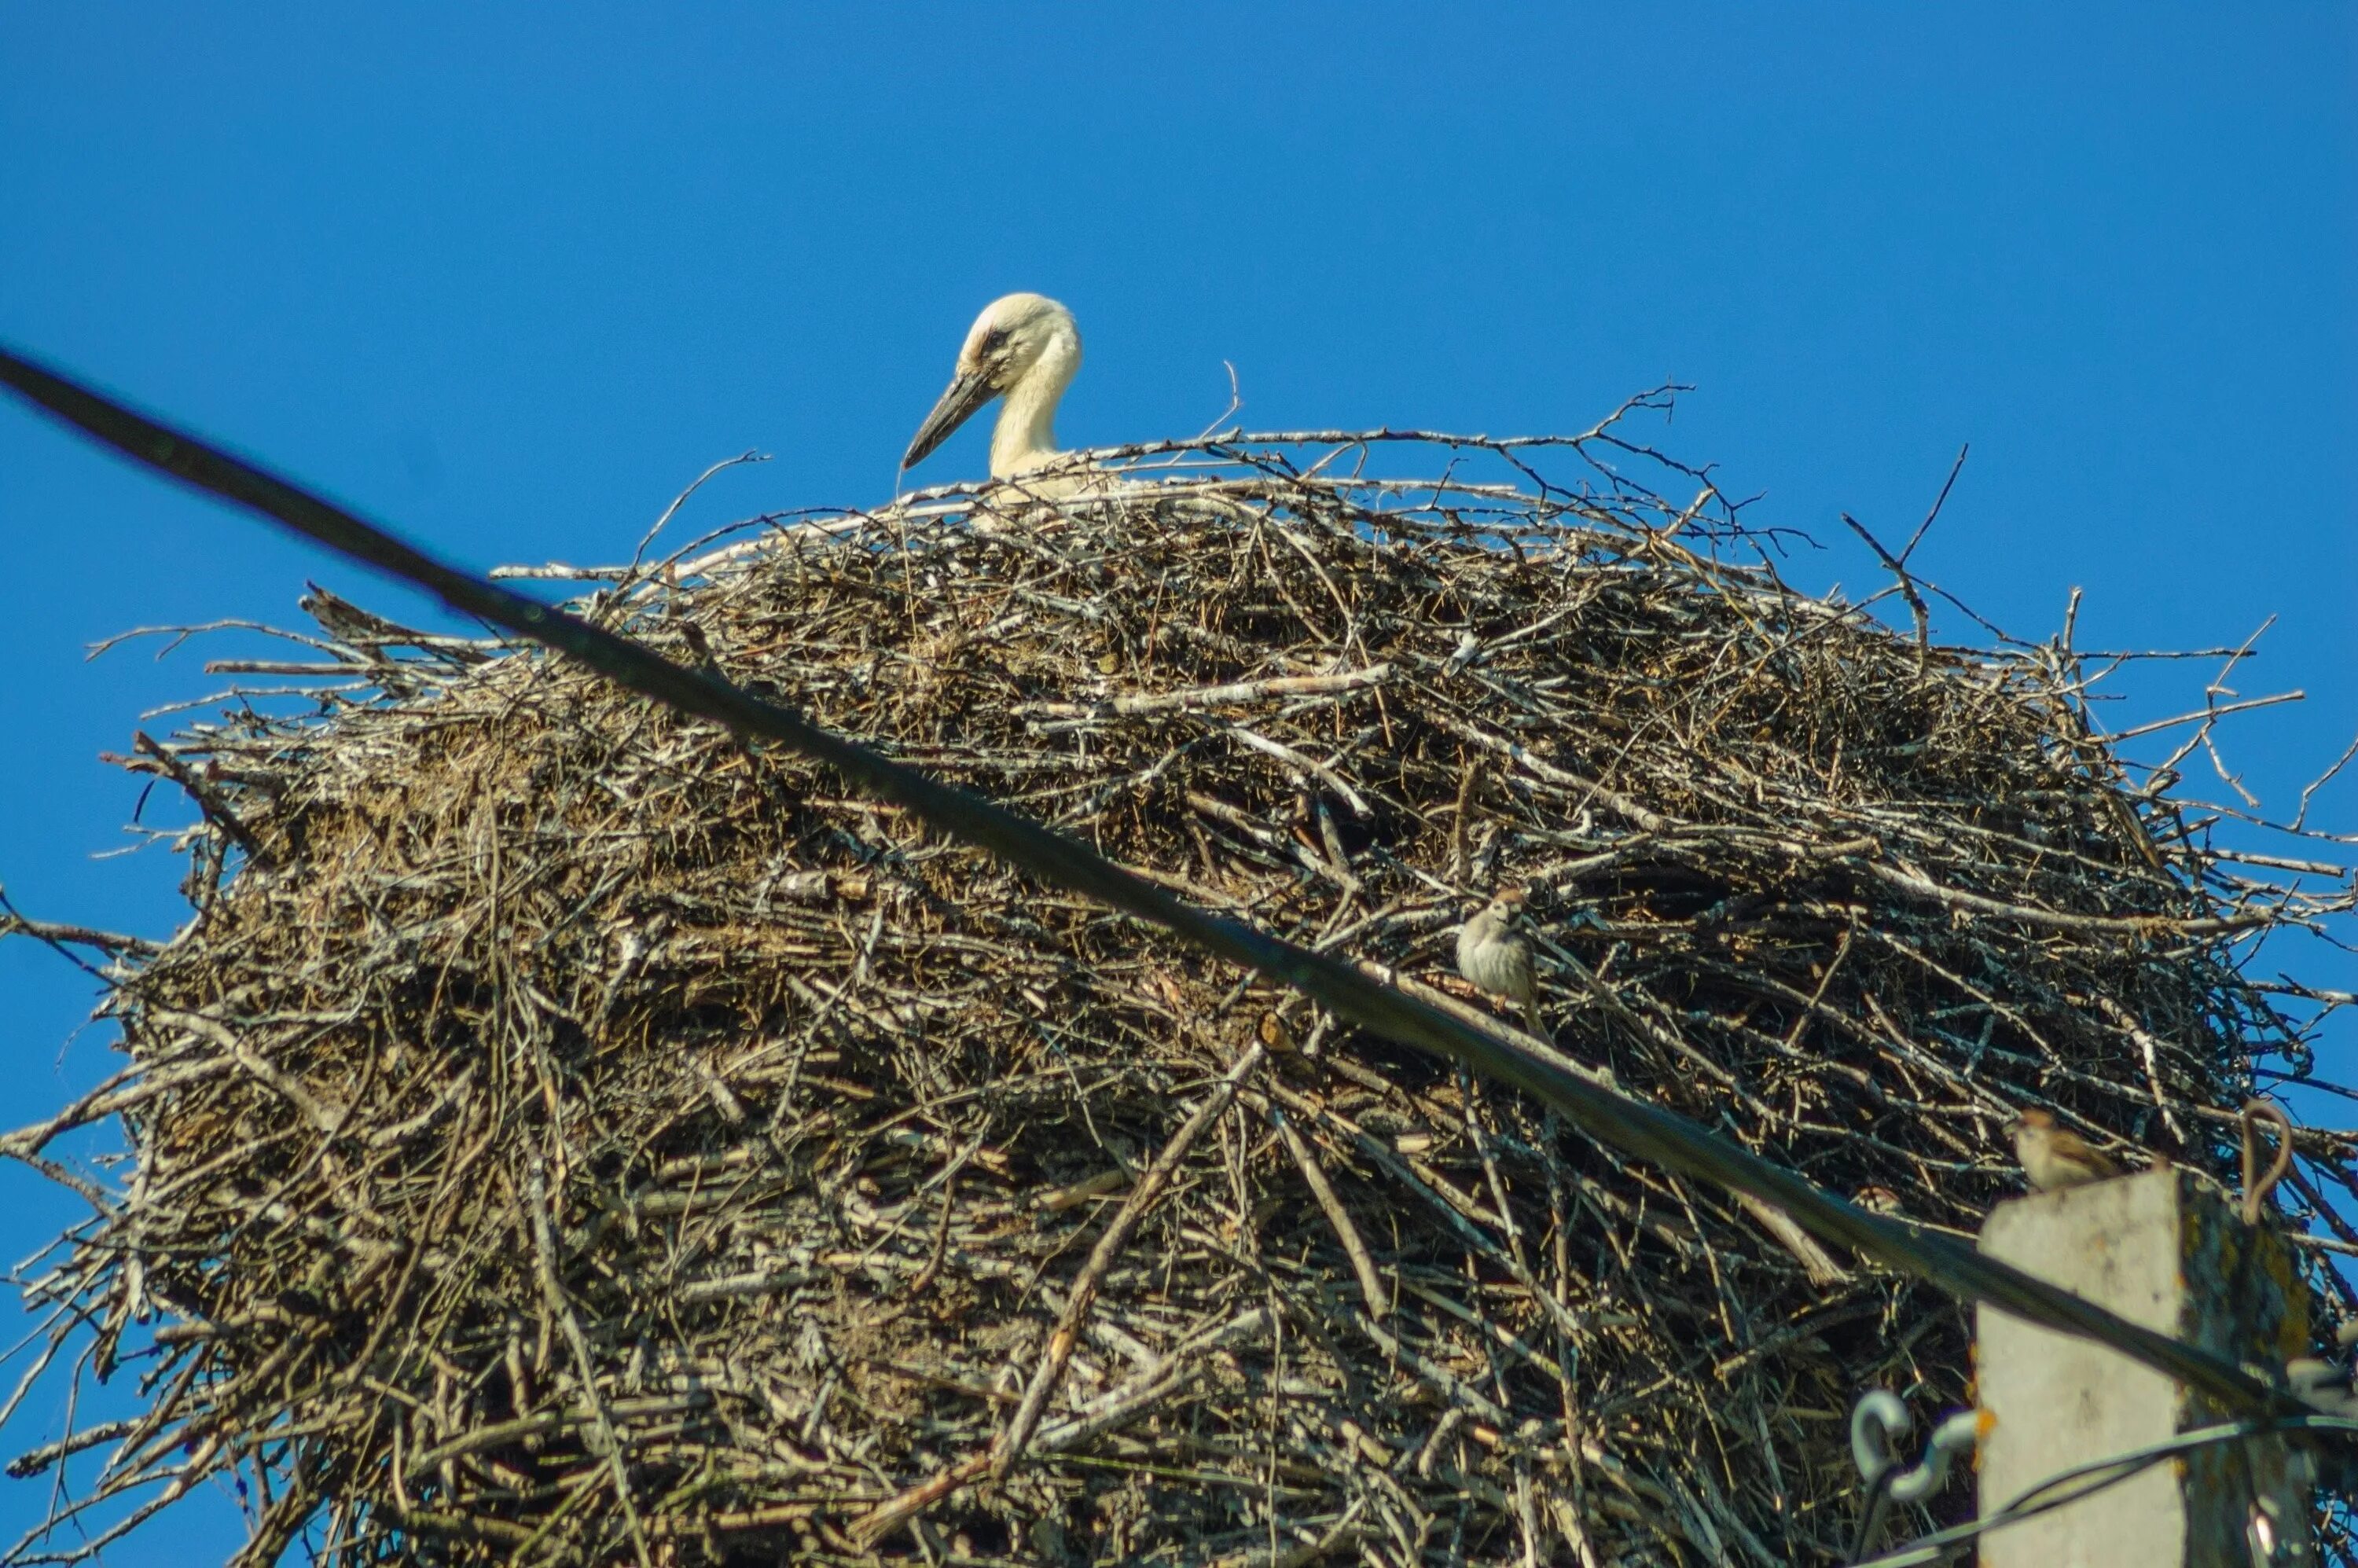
(2055, 1157)
(1877, 1200)
(1492, 955)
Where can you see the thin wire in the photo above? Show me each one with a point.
(2110, 1472)
(1635, 1126)
(1877, 1504)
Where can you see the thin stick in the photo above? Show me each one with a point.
(1898, 568)
(1363, 1263)
(1938, 501)
(545, 1256)
(1007, 1451)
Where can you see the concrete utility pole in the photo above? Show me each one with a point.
(2165, 1250)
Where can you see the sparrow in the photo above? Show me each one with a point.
(2328, 1382)
(1877, 1200)
(2054, 1158)
(2328, 1387)
(1495, 957)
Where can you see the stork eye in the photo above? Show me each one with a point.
(994, 343)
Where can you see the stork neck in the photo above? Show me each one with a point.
(1025, 435)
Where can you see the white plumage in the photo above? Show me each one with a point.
(1023, 349)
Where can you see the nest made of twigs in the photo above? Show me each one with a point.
(565, 1135)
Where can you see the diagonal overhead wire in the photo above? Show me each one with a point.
(1629, 1125)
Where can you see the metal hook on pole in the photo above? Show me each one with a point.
(2256, 1191)
(1877, 1423)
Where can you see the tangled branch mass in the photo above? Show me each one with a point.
(566, 1134)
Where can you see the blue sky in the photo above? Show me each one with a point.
(509, 276)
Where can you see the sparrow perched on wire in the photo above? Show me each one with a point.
(2328, 1384)
(2055, 1157)
(2328, 1387)
(1495, 956)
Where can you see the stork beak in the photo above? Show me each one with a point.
(969, 390)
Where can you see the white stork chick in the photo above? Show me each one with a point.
(1024, 348)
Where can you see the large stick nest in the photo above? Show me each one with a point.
(566, 1134)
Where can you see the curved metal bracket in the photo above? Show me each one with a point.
(1877, 1423)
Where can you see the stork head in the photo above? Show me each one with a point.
(1022, 342)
